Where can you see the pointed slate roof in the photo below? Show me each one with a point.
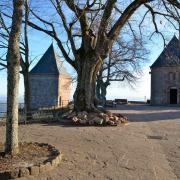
(49, 64)
(170, 55)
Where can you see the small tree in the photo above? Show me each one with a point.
(24, 49)
(123, 64)
(13, 64)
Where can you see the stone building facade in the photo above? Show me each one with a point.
(165, 75)
(49, 81)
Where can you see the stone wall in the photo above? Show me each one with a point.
(162, 80)
(44, 90)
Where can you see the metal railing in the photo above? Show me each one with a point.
(44, 112)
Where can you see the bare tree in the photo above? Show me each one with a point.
(24, 62)
(86, 50)
(13, 64)
(123, 64)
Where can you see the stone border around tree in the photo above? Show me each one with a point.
(35, 170)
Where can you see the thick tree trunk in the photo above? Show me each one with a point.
(98, 90)
(26, 70)
(102, 90)
(27, 98)
(84, 96)
(99, 81)
(103, 93)
(13, 63)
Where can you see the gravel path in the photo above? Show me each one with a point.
(148, 148)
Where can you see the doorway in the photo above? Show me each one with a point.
(173, 96)
(59, 101)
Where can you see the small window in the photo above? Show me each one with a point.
(172, 76)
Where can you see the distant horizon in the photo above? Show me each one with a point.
(3, 99)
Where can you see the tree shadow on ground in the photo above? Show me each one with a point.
(73, 125)
(143, 107)
(146, 113)
(144, 117)
(135, 113)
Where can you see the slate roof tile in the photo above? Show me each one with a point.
(50, 63)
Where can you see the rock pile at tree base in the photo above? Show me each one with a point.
(86, 118)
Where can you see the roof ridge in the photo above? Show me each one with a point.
(54, 53)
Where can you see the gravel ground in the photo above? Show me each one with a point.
(148, 148)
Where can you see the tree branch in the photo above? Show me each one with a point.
(80, 14)
(104, 22)
(4, 65)
(63, 18)
(53, 35)
(113, 33)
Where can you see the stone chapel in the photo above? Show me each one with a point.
(165, 75)
(49, 81)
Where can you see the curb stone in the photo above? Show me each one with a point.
(36, 169)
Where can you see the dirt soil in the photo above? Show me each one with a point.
(30, 154)
(148, 148)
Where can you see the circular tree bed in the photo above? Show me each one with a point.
(33, 158)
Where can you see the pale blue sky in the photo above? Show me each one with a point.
(117, 90)
(39, 42)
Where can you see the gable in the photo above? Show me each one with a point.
(49, 63)
(170, 55)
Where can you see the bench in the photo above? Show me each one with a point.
(110, 103)
(121, 101)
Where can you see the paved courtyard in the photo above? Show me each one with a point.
(148, 148)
